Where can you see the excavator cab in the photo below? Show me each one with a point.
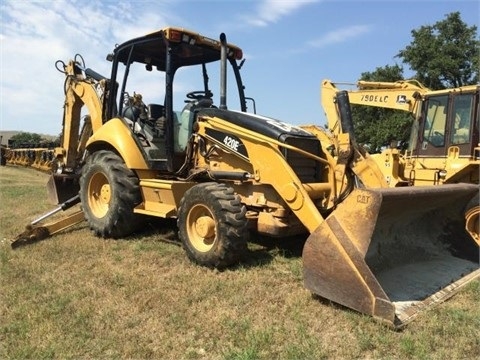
(443, 146)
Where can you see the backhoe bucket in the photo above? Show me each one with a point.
(62, 187)
(392, 253)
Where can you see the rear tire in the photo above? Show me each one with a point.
(212, 225)
(109, 192)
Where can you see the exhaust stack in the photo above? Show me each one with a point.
(223, 72)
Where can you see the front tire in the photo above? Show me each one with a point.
(109, 192)
(212, 225)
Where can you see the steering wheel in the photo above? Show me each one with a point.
(200, 94)
(437, 139)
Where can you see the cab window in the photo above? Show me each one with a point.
(461, 122)
(434, 131)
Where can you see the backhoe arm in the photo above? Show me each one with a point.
(398, 95)
(81, 89)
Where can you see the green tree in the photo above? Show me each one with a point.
(377, 127)
(25, 139)
(445, 54)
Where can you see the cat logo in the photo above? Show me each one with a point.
(363, 199)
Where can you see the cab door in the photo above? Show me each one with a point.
(433, 141)
(449, 131)
(463, 123)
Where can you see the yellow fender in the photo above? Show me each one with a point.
(116, 133)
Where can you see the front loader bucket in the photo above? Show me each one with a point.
(392, 253)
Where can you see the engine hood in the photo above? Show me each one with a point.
(266, 126)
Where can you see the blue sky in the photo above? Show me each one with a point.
(290, 46)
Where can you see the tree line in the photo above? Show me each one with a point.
(31, 140)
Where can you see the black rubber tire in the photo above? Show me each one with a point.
(225, 244)
(3, 156)
(109, 191)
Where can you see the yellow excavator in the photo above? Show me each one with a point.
(444, 143)
(226, 174)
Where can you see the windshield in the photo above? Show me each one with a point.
(151, 85)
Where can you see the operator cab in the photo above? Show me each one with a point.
(154, 105)
(448, 122)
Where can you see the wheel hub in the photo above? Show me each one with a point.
(205, 226)
(105, 194)
(100, 195)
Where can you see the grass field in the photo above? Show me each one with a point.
(77, 296)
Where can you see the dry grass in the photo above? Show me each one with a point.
(76, 296)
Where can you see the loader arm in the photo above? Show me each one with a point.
(265, 156)
(349, 153)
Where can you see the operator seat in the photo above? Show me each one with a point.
(155, 111)
(461, 133)
(156, 118)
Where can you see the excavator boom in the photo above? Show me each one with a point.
(400, 95)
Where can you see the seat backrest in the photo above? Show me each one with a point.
(155, 111)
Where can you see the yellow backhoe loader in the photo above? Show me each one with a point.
(225, 174)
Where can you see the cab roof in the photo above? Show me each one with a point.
(189, 48)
